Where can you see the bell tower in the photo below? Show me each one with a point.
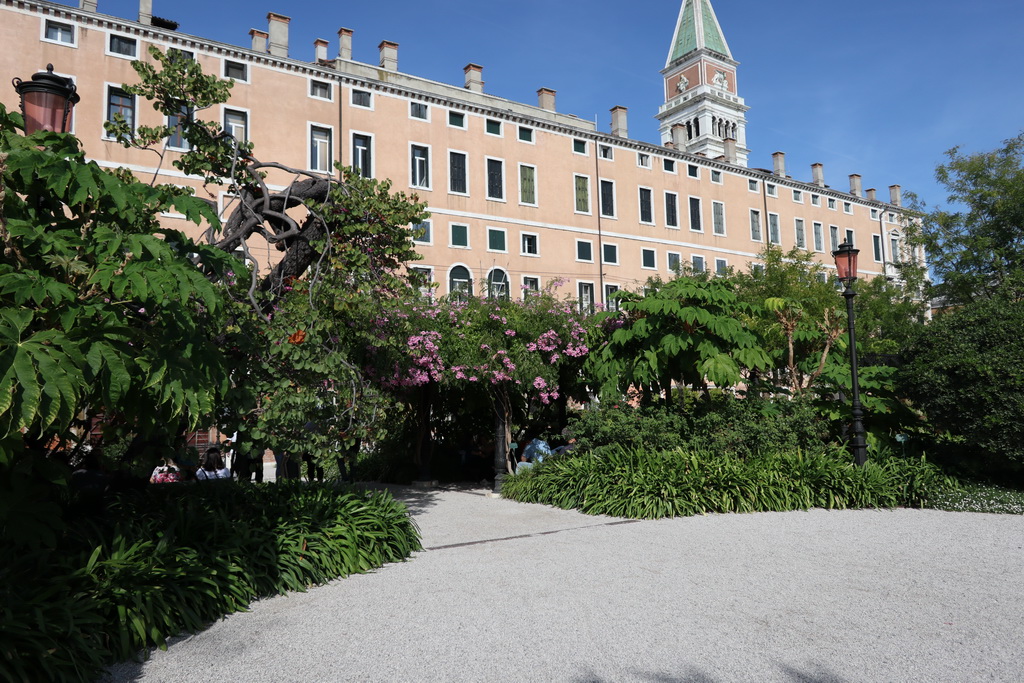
(702, 109)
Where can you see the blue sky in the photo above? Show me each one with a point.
(880, 88)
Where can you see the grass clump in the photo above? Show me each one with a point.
(134, 570)
(649, 484)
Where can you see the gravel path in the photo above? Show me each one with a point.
(512, 592)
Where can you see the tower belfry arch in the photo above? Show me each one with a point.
(702, 108)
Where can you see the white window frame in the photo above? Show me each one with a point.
(519, 184)
(310, 125)
(106, 103)
(815, 199)
(613, 245)
(674, 170)
(877, 248)
(448, 120)
(469, 236)
(576, 252)
(429, 242)
(799, 233)
(501, 127)
(771, 189)
(469, 282)
(760, 226)
(373, 146)
(593, 295)
(639, 205)
(703, 263)
(721, 266)
(716, 173)
(653, 253)
(641, 158)
(224, 70)
(225, 108)
(590, 195)
(778, 229)
(848, 208)
(487, 181)
(833, 237)
(693, 171)
(185, 147)
(504, 233)
(366, 107)
(818, 233)
(522, 286)
(330, 89)
(600, 203)
(668, 261)
(111, 53)
(533, 135)
(428, 289)
(522, 244)
(798, 197)
(429, 184)
(700, 212)
(63, 24)
(714, 228)
(586, 147)
(753, 185)
(448, 177)
(610, 290)
(665, 197)
(606, 152)
(831, 203)
(849, 236)
(419, 118)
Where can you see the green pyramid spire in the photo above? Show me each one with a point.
(697, 28)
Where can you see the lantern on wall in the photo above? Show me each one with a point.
(47, 101)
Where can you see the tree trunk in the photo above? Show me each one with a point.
(502, 437)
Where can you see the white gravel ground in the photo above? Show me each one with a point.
(513, 592)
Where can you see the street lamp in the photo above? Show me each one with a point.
(846, 266)
(46, 101)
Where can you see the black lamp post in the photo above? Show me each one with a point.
(47, 101)
(846, 265)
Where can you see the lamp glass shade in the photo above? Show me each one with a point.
(846, 262)
(45, 111)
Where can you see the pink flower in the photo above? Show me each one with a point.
(539, 383)
(510, 333)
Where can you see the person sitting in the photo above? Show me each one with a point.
(212, 466)
(166, 472)
(537, 450)
(523, 464)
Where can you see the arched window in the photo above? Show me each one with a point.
(460, 283)
(497, 284)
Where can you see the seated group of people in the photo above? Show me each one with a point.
(211, 466)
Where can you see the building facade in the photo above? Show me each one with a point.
(519, 194)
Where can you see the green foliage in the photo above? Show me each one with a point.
(964, 371)
(174, 558)
(643, 484)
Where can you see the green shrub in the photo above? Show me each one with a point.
(172, 559)
(638, 483)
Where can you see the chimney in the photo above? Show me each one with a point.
(345, 43)
(730, 150)
(259, 40)
(474, 77)
(320, 50)
(818, 174)
(546, 99)
(896, 195)
(855, 185)
(619, 128)
(679, 136)
(278, 34)
(145, 11)
(388, 55)
(779, 164)
(871, 194)
(88, 5)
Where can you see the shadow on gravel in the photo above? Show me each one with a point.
(818, 674)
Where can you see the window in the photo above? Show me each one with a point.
(669, 165)
(672, 260)
(692, 171)
(457, 175)
(530, 284)
(798, 196)
(321, 152)
(876, 245)
(236, 70)
(718, 218)
(495, 179)
(123, 45)
(456, 119)
(815, 200)
(894, 249)
(418, 110)
(497, 284)
(832, 203)
(186, 55)
(120, 102)
(56, 32)
(721, 266)
(774, 234)
(695, 223)
(605, 152)
(643, 160)
(527, 184)
(529, 244)
(833, 237)
(646, 208)
(752, 186)
(460, 283)
(771, 189)
(176, 139)
(697, 263)
(493, 127)
(611, 303)
(847, 207)
(362, 98)
(362, 156)
(757, 269)
(582, 192)
(798, 229)
(892, 217)
(458, 236)
(608, 198)
(421, 233)
(849, 236)
(420, 170)
(586, 296)
(426, 277)
(716, 177)
(648, 259)
(819, 238)
(755, 225)
(525, 134)
(236, 124)
(585, 251)
(671, 210)
(610, 254)
(496, 240)
(874, 214)
(579, 146)
(320, 90)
